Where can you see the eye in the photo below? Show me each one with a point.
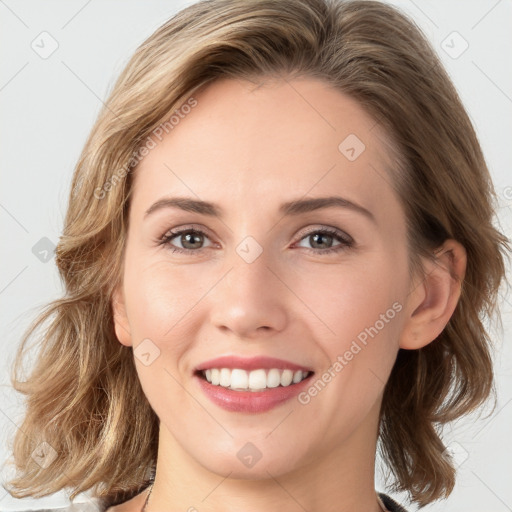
(190, 240)
(322, 240)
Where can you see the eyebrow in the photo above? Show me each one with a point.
(296, 207)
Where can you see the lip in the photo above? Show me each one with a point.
(250, 401)
(250, 363)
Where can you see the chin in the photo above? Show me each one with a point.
(263, 469)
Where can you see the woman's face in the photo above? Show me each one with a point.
(254, 274)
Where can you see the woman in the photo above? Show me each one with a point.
(211, 353)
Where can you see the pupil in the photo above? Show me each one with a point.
(320, 236)
(189, 238)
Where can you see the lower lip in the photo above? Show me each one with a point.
(251, 401)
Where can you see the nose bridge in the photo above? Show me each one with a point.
(250, 296)
(249, 263)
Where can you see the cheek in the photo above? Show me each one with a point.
(363, 308)
(161, 295)
(161, 300)
(349, 297)
(360, 307)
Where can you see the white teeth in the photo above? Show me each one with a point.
(297, 377)
(274, 378)
(286, 378)
(225, 377)
(239, 379)
(255, 380)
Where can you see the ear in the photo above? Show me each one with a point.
(433, 299)
(121, 325)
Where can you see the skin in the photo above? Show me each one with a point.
(248, 149)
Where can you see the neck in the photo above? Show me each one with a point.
(341, 479)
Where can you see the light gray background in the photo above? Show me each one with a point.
(49, 105)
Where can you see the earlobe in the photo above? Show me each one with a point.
(121, 325)
(433, 301)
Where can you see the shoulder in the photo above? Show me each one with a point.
(390, 503)
(133, 504)
(90, 506)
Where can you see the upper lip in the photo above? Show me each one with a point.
(250, 363)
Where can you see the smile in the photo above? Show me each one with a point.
(238, 379)
(241, 398)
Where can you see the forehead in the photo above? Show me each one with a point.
(253, 144)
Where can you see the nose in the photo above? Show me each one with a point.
(251, 301)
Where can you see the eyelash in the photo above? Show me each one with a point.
(346, 241)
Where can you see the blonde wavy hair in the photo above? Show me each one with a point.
(83, 396)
